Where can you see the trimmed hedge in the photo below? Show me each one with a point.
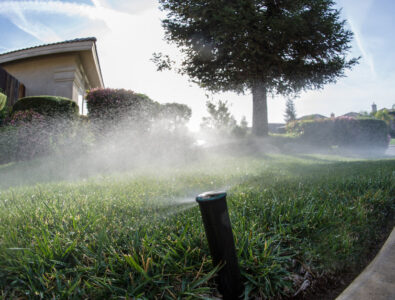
(344, 132)
(113, 104)
(51, 106)
(26, 135)
(8, 144)
(120, 109)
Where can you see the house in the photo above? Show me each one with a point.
(66, 69)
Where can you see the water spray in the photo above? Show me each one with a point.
(220, 240)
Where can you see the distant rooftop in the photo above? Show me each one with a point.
(312, 117)
(352, 114)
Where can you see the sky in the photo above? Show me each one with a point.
(128, 32)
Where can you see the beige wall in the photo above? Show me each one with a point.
(56, 75)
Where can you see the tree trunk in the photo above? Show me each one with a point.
(260, 126)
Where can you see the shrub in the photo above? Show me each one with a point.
(26, 135)
(345, 132)
(51, 106)
(173, 116)
(8, 143)
(3, 101)
(120, 109)
(361, 132)
(115, 104)
(4, 110)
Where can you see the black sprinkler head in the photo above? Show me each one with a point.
(218, 229)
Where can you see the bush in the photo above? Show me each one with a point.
(4, 110)
(115, 104)
(51, 106)
(3, 101)
(8, 144)
(120, 109)
(25, 136)
(344, 132)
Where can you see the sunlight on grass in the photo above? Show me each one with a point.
(139, 234)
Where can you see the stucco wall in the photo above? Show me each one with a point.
(57, 75)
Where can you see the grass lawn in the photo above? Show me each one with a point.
(392, 142)
(140, 234)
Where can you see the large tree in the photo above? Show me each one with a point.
(265, 46)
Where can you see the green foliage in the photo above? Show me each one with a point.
(25, 136)
(219, 118)
(116, 104)
(345, 132)
(51, 106)
(4, 110)
(241, 130)
(8, 144)
(115, 108)
(383, 115)
(230, 45)
(136, 236)
(174, 115)
(3, 100)
(290, 111)
(220, 121)
(127, 116)
(278, 47)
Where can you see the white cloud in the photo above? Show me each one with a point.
(365, 54)
(34, 28)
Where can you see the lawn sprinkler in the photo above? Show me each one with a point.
(220, 240)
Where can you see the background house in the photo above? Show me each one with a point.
(64, 69)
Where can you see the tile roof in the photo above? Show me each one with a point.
(93, 39)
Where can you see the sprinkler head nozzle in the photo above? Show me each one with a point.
(210, 196)
(219, 234)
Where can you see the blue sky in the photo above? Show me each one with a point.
(129, 31)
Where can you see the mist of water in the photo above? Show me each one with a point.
(88, 149)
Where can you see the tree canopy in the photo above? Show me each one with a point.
(266, 46)
(219, 117)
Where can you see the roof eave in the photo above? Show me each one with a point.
(77, 46)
